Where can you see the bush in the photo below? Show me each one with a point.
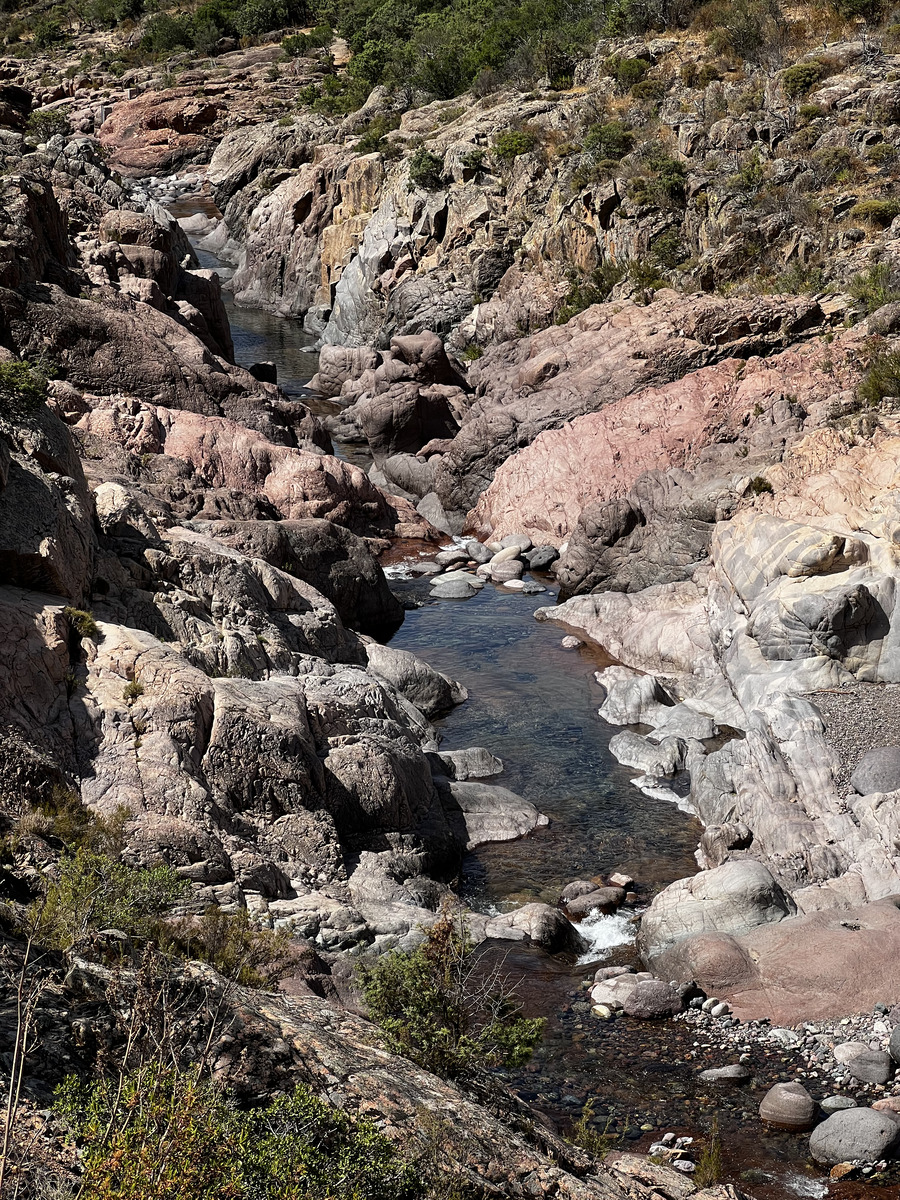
(512, 143)
(587, 290)
(63, 817)
(810, 112)
(626, 71)
(23, 389)
(800, 79)
(372, 138)
(249, 954)
(425, 170)
(163, 33)
(436, 1011)
(879, 213)
(760, 486)
(96, 892)
(878, 286)
(881, 380)
(833, 164)
(132, 690)
(47, 33)
(882, 155)
(664, 188)
(610, 141)
(651, 90)
(45, 124)
(82, 622)
(161, 1133)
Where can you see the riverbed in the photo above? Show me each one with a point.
(534, 704)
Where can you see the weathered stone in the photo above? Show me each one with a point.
(855, 1134)
(788, 1105)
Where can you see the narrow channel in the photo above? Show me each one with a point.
(534, 704)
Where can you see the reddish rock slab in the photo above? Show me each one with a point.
(158, 131)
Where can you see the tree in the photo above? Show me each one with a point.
(439, 1008)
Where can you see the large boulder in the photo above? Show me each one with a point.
(482, 812)
(414, 679)
(854, 1135)
(788, 1105)
(877, 771)
(732, 898)
(653, 999)
(548, 928)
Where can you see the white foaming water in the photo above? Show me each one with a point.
(799, 1186)
(602, 933)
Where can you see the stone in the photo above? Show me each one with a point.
(620, 879)
(633, 750)
(419, 683)
(506, 571)
(603, 973)
(856, 1134)
(453, 589)
(447, 558)
(877, 771)
(733, 1073)
(653, 999)
(889, 1104)
(789, 1106)
(548, 928)
(478, 552)
(894, 1044)
(833, 1104)
(474, 763)
(604, 900)
(481, 812)
(519, 540)
(845, 1052)
(571, 643)
(541, 558)
(578, 887)
(871, 1066)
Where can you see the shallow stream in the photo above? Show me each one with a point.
(535, 704)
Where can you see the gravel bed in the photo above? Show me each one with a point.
(859, 717)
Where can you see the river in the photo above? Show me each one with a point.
(534, 704)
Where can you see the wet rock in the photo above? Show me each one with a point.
(854, 1134)
(478, 552)
(633, 750)
(604, 900)
(448, 558)
(603, 973)
(632, 698)
(733, 1073)
(571, 643)
(453, 589)
(871, 1066)
(789, 1106)
(474, 763)
(418, 682)
(578, 887)
(506, 572)
(481, 812)
(877, 771)
(653, 999)
(541, 558)
(548, 928)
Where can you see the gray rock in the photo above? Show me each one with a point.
(520, 540)
(453, 589)
(478, 552)
(854, 1135)
(833, 1104)
(605, 900)
(531, 588)
(872, 1066)
(432, 510)
(682, 721)
(419, 683)
(845, 1052)
(603, 973)
(788, 1105)
(541, 557)
(481, 812)
(425, 566)
(548, 928)
(449, 558)
(502, 572)
(578, 887)
(733, 1073)
(653, 999)
(633, 750)
(894, 1045)
(877, 771)
(474, 763)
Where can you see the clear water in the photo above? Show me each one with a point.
(535, 705)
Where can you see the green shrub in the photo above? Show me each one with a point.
(432, 1010)
(250, 955)
(833, 164)
(47, 123)
(612, 140)
(810, 112)
(96, 892)
(63, 817)
(512, 143)
(301, 45)
(473, 160)
(710, 1168)
(23, 389)
(584, 1134)
(651, 90)
(425, 170)
(882, 154)
(664, 188)
(585, 290)
(879, 213)
(82, 622)
(132, 690)
(878, 286)
(626, 71)
(372, 138)
(668, 249)
(162, 1134)
(164, 33)
(47, 32)
(881, 380)
(760, 486)
(472, 352)
(800, 79)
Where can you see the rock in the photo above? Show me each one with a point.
(856, 1134)
(615, 991)
(733, 1073)
(885, 1104)
(733, 898)
(504, 572)
(604, 900)
(571, 643)
(871, 1066)
(419, 683)
(474, 763)
(541, 558)
(894, 1045)
(877, 771)
(548, 928)
(789, 1106)
(432, 510)
(578, 887)
(619, 879)
(520, 541)
(453, 589)
(158, 130)
(833, 1104)
(478, 552)
(481, 812)
(684, 722)
(448, 558)
(633, 750)
(632, 698)
(653, 999)
(603, 973)
(845, 1052)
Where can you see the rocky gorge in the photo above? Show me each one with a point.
(666, 391)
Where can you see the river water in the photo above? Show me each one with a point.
(534, 704)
